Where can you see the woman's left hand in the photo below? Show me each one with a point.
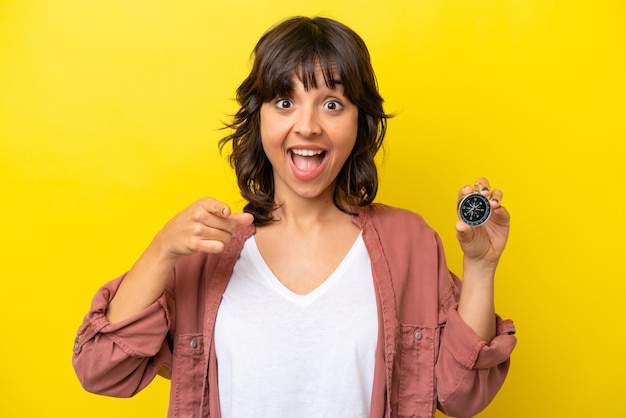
(485, 243)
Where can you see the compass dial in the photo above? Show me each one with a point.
(474, 209)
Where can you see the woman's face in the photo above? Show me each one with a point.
(307, 137)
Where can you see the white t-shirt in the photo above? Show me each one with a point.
(284, 355)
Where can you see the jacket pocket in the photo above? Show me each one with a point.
(187, 375)
(416, 371)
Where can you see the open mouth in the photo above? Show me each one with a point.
(307, 160)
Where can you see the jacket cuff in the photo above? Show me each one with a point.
(471, 351)
(134, 334)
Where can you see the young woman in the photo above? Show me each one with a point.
(314, 302)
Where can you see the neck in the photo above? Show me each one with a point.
(296, 211)
(305, 212)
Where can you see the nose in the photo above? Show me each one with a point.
(308, 122)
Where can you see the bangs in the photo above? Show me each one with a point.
(277, 78)
(304, 51)
(307, 71)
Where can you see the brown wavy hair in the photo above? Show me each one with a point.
(297, 46)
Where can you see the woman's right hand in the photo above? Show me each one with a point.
(203, 227)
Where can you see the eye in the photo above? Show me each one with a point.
(284, 104)
(333, 105)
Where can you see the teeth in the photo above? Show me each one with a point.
(306, 152)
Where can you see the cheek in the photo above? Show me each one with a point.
(272, 146)
(272, 129)
(349, 133)
(266, 131)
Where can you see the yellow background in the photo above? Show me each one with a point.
(109, 116)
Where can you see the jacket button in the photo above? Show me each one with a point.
(418, 335)
(193, 344)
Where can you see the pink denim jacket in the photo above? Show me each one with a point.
(427, 357)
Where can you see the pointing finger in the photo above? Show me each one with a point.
(215, 207)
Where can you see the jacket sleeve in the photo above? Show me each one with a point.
(469, 371)
(121, 359)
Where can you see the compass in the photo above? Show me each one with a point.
(474, 209)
